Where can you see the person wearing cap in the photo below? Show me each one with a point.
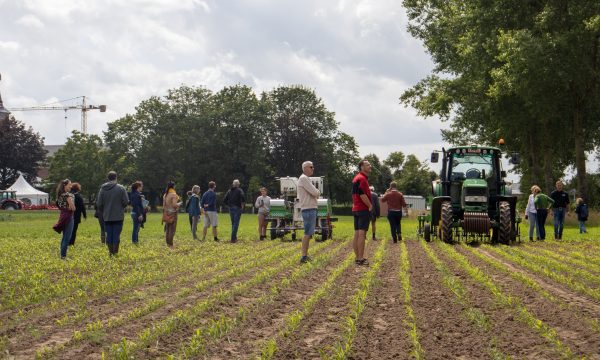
(376, 212)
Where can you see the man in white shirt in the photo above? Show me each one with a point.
(307, 196)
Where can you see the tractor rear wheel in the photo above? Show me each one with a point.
(427, 232)
(504, 229)
(446, 228)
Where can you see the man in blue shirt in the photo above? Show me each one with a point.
(209, 204)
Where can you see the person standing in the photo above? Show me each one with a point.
(66, 205)
(112, 201)
(376, 212)
(170, 207)
(209, 204)
(235, 200)
(582, 212)
(263, 204)
(79, 211)
(194, 209)
(308, 195)
(560, 209)
(396, 203)
(542, 204)
(531, 215)
(137, 210)
(361, 209)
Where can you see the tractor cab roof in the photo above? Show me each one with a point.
(473, 149)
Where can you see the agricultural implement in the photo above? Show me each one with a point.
(471, 198)
(285, 216)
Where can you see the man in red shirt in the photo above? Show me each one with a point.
(361, 209)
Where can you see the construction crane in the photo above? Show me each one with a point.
(84, 107)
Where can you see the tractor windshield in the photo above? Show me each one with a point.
(472, 166)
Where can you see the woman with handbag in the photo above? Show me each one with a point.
(64, 201)
(170, 208)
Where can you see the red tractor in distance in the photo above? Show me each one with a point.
(8, 200)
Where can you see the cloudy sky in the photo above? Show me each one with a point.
(357, 55)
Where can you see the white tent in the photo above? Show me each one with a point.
(27, 193)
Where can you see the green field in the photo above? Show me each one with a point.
(253, 299)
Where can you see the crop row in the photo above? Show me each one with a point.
(343, 347)
(235, 268)
(219, 327)
(535, 286)
(472, 313)
(545, 268)
(411, 322)
(189, 316)
(79, 308)
(503, 297)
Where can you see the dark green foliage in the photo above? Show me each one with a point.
(21, 150)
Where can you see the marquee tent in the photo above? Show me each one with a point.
(27, 193)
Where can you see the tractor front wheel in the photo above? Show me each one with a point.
(427, 232)
(504, 229)
(273, 229)
(446, 228)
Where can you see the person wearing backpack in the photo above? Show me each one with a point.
(582, 212)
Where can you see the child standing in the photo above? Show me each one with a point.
(582, 212)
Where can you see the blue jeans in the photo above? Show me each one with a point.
(235, 213)
(136, 228)
(113, 234)
(582, 228)
(559, 222)
(533, 225)
(66, 237)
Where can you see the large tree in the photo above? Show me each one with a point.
(528, 71)
(83, 159)
(21, 151)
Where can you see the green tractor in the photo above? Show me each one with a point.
(471, 198)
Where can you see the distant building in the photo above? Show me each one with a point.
(516, 188)
(42, 172)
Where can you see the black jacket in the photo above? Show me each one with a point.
(234, 197)
(79, 208)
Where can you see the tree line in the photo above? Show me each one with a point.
(525, 71)
(194, 135)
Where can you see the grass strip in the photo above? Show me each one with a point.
(510, 302)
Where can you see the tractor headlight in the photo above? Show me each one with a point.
(475, 198)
